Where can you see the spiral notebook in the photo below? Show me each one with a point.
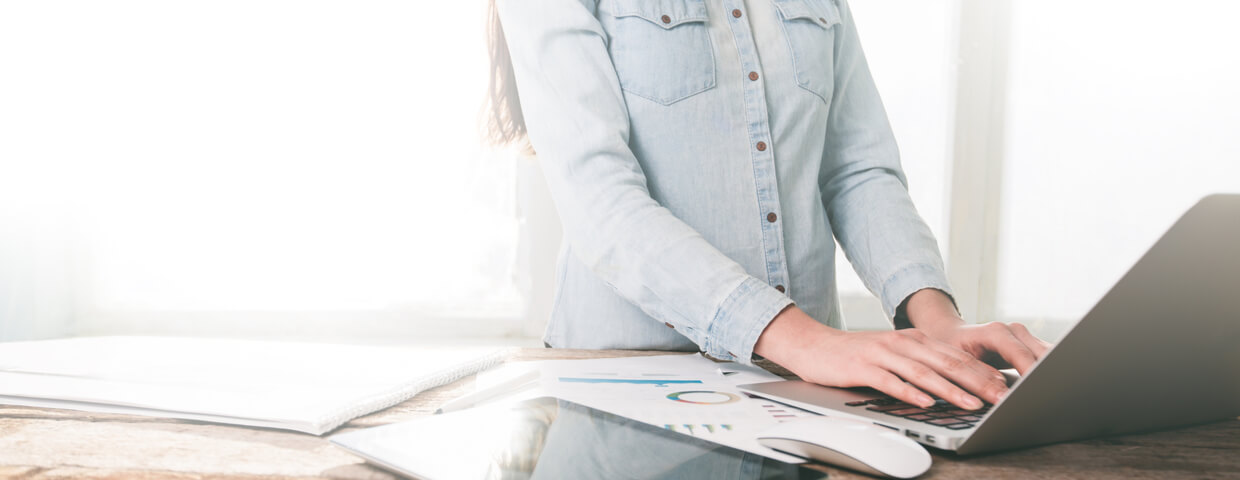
(305, 387)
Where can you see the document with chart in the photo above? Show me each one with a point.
(687, 394)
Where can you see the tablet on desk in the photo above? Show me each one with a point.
(550, 438)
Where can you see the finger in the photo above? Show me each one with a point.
(927, 379)
(1001, 341)
(953, 357)
(887, 382)
(1035, 344)
(962, 369)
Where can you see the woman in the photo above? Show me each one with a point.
(702, 155)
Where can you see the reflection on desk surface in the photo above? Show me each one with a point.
(553, 439)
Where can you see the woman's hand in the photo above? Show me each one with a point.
(1001, 345)
(880, 360)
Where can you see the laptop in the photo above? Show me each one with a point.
(1161, 349)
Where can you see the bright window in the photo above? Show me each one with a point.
(1121, 115)
(271, 156)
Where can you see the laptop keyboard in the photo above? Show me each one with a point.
(942, 414)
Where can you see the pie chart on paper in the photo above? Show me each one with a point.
(703, 397)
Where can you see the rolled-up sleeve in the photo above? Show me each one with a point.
(864, 188)
(578, 123)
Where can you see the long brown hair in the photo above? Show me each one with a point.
(502, 122)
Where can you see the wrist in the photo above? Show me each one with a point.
(933, 312)
(790, 334)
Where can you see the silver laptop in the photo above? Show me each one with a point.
(1160, 350)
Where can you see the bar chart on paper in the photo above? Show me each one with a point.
(657, 382)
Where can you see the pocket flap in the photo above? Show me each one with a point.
(822, 12)
(664, 13)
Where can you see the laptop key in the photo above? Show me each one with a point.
(943, 422)
(920, 418)
(857, 403)
(905, 411)
(969, 418)
(940, 414)
(960, 426)
(887, 408)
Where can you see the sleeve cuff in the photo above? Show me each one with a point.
(741, 318)
(908, 281)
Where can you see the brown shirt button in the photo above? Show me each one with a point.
(771, 217)
(669, 325)
(736, 13)
(823, 20)
(666, 19)
(780, 287)
(761, 146)
(753, 75)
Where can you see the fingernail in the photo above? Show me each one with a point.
(971, 402)
(924, 401)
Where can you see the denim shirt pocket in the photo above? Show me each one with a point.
(809, 27)
(661, 49)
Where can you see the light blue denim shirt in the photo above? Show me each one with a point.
(702, 155)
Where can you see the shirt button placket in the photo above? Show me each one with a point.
(757, 118)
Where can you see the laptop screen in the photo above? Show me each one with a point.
(550, 438)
